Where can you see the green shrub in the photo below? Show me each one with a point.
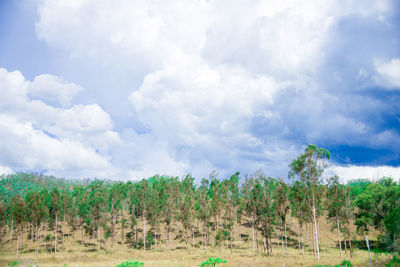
(14, 263)
(394, 262)
(212, 262)
(344, 263)
(131, 263)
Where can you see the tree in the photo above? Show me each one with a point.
(282, 205)
(17, 208)
(308, 168)
(263, 192)
(336, 205)
(97, 205)
(187, 205)
(299, 208)
(55, 207)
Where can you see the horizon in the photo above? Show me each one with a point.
(99, 89)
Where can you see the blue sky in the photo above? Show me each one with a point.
(127, 89)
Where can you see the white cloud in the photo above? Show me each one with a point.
(53, 89)
(224, 85)
(71, 142)
(350, 172)
(5, 170)
(389, 73)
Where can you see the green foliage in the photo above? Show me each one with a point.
(14, 263)
(131, 263)
(212, 262)
(395, 262)
(344, 263)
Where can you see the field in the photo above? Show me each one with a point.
(77, 254)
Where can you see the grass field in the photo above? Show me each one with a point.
(76, 254)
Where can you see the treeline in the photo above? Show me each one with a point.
(152, 212)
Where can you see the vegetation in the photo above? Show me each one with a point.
(131, 263)
(212, 262)
(150, 214)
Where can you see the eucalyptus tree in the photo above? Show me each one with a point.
(187, 205)
(299, 208)
(17, 209)
(203, 208)
(167, 190)
(308, 168)
(250, 199)
(336, 205)
(143, 201)
(266, 209)
(55, 208)
(97, 205)
(282, 206)
(3, 209)
(66, 202)
(36, 213)
(232, 199)
(133, 210)
(114, 204)
(215, 191)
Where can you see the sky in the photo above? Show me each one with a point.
(124, 89)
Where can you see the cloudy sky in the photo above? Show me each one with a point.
(127, 89)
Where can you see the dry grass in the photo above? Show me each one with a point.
(243, 254)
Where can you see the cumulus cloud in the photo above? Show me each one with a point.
(53, 89)
(388, 73)
(347, 173)
(71, 142)
(5, 170)
(221, 85)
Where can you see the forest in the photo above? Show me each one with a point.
(164, 213)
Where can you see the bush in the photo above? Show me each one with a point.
(344, 263)
(131, 263)
(14, 263)
(394, 262)
(212, 262)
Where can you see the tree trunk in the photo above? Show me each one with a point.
(98, 237)
(17, 241)
(257, 239)
(340, 241)
(144, 230)
(136, 235)
(285, 239)
(313, 235)
(345, 244)
(351, 250)
(11, 230)
(270, 245)
(316, 229)
(63, 231)
(298, 237)
(113, 232)
(55, 237)
(254, 244)
(230, 241)
(192, 236)
(283, 251)
(265, 245)
(302, 239)
(122, 225)
(169, 237)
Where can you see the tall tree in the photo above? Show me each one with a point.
(308, 168)
(282, 204)
(55, 208)
(336, 205)
(17, 208)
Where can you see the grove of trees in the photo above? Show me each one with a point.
(149, 214)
